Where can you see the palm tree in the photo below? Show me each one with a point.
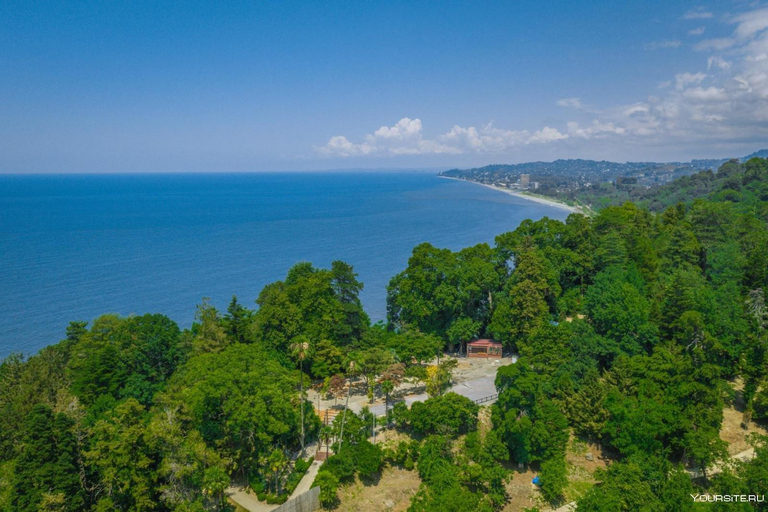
(300, 350)
(346, 405)
(387, 387)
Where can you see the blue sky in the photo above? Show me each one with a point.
(228, 86)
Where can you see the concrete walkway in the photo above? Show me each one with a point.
(309, 477)
(250, 502)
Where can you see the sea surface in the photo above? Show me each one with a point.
(73, 247)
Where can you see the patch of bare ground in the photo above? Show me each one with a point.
(580, 451)
(390, 438)
(484, 423)
(393, 492)
(524, 494)
(733, 414)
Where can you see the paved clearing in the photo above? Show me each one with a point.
(473, 378)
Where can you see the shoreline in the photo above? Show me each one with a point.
(529, 197)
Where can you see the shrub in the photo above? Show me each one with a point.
(276, 499)
(406, 454)
(450, 414)
(401, 415)
(367, 459)
(329, 485)
(760, 405)
(302, 465)
(257, 484)
(341, 465)
(553, 478)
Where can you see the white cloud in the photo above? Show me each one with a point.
(404, 129)
(406, 138)
(708, 94)
(751, 23)
(661, 45)
(596, 130)
(570, 102)
(726, 102)
(684, 79)
(718, 62)
(697, 14)
(545, 135)
(697, 31)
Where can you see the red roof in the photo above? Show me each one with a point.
(484, 343)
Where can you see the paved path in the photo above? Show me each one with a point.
(247, 500)
(309, 477)
(250, 502)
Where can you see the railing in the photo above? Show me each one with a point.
(486, 399)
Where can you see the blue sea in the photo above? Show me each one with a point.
(73, 247)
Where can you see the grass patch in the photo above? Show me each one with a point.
(576, 489)
(577, 447)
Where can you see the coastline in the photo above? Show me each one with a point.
(523, 195)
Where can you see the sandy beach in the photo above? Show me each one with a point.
(525, 195)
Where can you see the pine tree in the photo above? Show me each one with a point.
(67, 480)
(236, 321)
(36, 464)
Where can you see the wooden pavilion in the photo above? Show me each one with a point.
(484, 348)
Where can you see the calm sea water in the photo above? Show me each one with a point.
(75, 247)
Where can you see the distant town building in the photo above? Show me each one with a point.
(484, 348)
(535, 185)
(525, 180)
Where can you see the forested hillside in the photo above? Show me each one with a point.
(634, 330)
(597, 185)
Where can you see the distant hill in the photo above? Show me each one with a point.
(592, 182)
(763, 153)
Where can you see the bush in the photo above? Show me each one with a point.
(341, 465)
(760, 405)
(401, 415)
(367, 459)
(329, 485)
(553, 478)
(450, 414)
(276, 499)
(406, 454)
(302, 465)
(257, 485)
(435, 458)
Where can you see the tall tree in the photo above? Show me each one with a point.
(300, 350)
(524, 304)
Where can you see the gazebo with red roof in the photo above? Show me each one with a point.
(484, 348)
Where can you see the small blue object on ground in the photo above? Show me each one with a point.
(536, 480)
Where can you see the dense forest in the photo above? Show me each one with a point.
(634, 329)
